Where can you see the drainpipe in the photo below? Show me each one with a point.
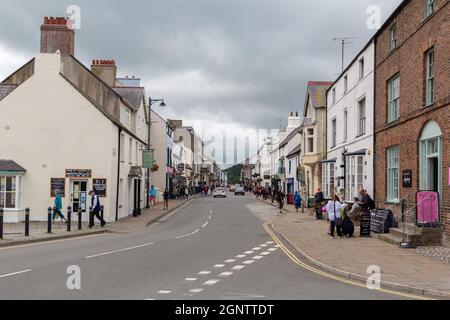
(118, 175)
(374, 153)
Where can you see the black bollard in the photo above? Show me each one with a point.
(103, 212)
(80, 217)
(91, 218)
(49, 220)
(69, 219)
(1, 223)
(27, 222)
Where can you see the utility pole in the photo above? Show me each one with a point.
(344, 42)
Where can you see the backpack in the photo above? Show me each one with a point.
(371, 204)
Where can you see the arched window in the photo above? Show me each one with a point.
(430, 145)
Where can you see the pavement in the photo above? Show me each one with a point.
(424, 270)
(208, 249)
(14, 233)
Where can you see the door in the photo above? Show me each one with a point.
(79, 195)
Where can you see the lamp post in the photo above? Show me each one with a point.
(149, 148)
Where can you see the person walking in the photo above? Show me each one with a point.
(152, 195)
(297, 201)
(280, 198)
(96, 209)
(166, 199)
(334, 216)
(319, 200)
(57, 211)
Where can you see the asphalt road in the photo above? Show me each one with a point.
(210, 249)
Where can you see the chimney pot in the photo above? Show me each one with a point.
(56, 35)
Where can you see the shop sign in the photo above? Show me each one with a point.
(170, 170)
(99, 186)
(148, 160)
(78, 173)
(181, 168)
(57, 185)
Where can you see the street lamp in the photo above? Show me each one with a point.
(162, 105)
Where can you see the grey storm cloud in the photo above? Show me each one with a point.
(245, 62)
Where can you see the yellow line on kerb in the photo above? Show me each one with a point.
(330, 276)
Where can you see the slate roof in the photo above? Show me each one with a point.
(133, 95)
(290, 137)
(9, 165)
(317, 91)
(6, 89)
(295, 152)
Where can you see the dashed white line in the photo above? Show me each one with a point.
(185, 236)
(191, 279)
(269, 242)
(226, 274)
(203, 273)
(164, 292)
(264, 245)
(121, 250)
(256, 249)
(257, 258)
(249, 252)
(272, 249)
(248, 262)
(15, 273)
(205, 225)
(237, 268)
(211, 282)
(196, 290)
(195, 232)
(241, 256)
(265, 253)
(210, 217)
(230, 261)
(219, 266)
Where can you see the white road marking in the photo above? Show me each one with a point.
(249, 252)
(15, 273)
(270, 242)
(272, 249)
(226, 274)
(265, 253)
(257, 258)
(204, 226)
(195, 232)
(164, 292)
(264, 245)
(210, 217)
(277, 246)
(256, 249)
(241, 256)
(230, 261)
(248, 262)
(191, 279)
(203, 273)
(211, 282)
(121, 250)
(185, 236)
(196, 290)
(219, 266)
(237, 268)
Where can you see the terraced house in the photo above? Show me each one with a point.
(412, 108)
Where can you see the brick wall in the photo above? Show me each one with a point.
(415, 36)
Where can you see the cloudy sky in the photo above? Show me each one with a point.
(229, 64)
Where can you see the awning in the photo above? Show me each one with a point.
(361, 152)
(135, 172)
(11, 168)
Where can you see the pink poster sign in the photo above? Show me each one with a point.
(428, 208)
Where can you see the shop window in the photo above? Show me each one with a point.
(328, 179)
(8, 192)
(354, 177)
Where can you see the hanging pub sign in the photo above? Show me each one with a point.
(57, 185)
(99, 186)
(407, 179)
(78, 173)
(148, 160)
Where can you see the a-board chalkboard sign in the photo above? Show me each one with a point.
(382, 221)
(99, 186)
(365, 224)
(57, 185)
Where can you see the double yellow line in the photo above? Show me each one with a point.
(330, 276)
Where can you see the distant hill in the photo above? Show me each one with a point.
(234, 174)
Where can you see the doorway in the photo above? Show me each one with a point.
(79, 195)
(431, 158)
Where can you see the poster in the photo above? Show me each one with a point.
(57, 185)
(99, 186)
(428, 210)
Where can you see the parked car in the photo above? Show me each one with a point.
(232, 188)
(239, 191)
(220, 193)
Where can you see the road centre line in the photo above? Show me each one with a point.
(205, 225)
(15, 273)
(121, 250)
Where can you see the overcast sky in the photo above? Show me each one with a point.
(219, 64)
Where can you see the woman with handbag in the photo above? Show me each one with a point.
(334, 216)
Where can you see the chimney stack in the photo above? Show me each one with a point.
(105, 70)
(294, 120)
(56, 34)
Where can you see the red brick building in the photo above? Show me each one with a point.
(412, 107)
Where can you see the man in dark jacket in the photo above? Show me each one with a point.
(319, 200)
(96, 209)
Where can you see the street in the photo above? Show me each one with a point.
(208, 249)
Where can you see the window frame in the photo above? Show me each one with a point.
(333, 133)
(430, 7)
(362, 120)
(14, 192)
(361, 68)
(429, 77)
(393, 36)
(393, 158)
(393, 112)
